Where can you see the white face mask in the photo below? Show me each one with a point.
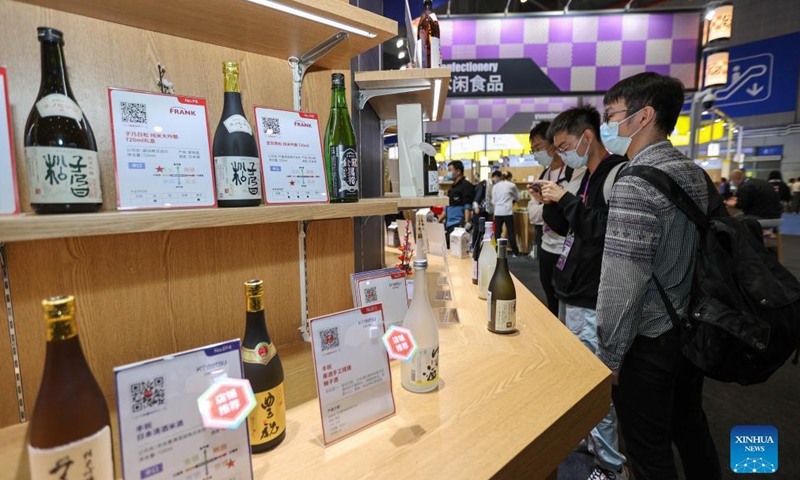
(572, 159)
(609, 135)
(543, 158)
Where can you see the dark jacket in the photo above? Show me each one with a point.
(578, 282)
(757, 198)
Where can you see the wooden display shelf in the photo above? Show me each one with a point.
(509, 406)
(245, 25)
(37, 227)
(405, 203)
(386, 105)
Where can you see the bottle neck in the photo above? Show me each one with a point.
(54, 70)
(233, 104)
(502, 252)
(64, 359)
(420, 285)
(338, 99)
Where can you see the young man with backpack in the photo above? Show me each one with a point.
(581, 219)
(658, 392)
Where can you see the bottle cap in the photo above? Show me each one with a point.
(421, 264)
(230, 67)
(337, 80)
(502, 242)
(50, 35)
(59, 313)
(254, 288)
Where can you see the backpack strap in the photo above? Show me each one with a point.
(670, 188)
(610, 179)
(568, 173)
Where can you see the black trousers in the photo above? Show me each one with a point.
(508, 221)
(547, 266)
(659, 402)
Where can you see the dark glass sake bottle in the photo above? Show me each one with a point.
(476, 248)
(341, 157)
(70, 431)
(428, 39)
(237, 168)
(60, 150)
(262, 366)
(502, 297)
(431, 169)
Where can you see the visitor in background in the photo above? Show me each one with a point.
(658, 392)
(582, 220)
(461, 194)
(504, 195)
(481, 206)
(754, 197)
(781, 189)
(796, 196)
(549, 243)
(725, 188)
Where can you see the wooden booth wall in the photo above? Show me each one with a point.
(150, 294)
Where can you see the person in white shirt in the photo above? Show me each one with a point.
(550, 244)
(504, 194)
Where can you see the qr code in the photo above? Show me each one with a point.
(134, 112)
(329, 338)
(147, 394)
(272, 126)
(371, 294)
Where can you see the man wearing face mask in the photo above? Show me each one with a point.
(649, 242)
(461, 194)
(582, 219)
(549, 243)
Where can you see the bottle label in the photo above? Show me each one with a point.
(268, 419)
(87, 458)
(344, 166)
(433, 181)
(237, 123)
(58, 105)
(425, 366)
(436, 53)
(238, 178)
(63, 175)
(261, 354)
(505, 314)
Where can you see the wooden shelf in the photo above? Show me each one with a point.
(386, 105)
(244, 25)
(509, 406)
(37, 227)
(405, 203)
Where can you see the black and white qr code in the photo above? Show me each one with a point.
(329, 338)
(371, 294)
(147, 394)
(134, 112)
(271, 126)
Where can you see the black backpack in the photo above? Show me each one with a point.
(744, 312)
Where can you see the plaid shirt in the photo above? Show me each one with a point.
(646, 235)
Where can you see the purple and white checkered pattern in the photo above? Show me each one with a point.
(583, 53)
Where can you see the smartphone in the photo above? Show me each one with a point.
(537, 189)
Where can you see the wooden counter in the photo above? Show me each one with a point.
(510, 406)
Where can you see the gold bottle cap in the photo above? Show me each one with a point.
(231, 71)
(254, 291)
(230, 67)
(59, 313)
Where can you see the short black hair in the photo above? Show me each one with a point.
(791, 180)
(775, 175)
(497, 173)
(575, 121)
(540, 130)
(457, 165)
(662, 92)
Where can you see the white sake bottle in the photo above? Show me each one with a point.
(421, 373)
(486, 265)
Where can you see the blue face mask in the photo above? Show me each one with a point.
(572, 159)
(543, 158)
(609, 135)
(449, 177)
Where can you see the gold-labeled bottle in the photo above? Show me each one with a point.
(262, 366)
(70, 431)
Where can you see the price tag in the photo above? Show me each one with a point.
(9, 198)
(292, 160)
(354, 382)
(226, 403)
(161, 150)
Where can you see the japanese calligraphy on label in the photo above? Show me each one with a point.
(89, 458)
(9, 200)
(425, 366)
(63, 175)
(268, 419)
(59, 105)
(161, 150)
(344, 161)
(291, 156)
(238, 178)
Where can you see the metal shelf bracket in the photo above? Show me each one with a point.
(300, 65)
(365, 95)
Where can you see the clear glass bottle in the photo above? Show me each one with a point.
(486, 266)
(502, 296)
(421, 373)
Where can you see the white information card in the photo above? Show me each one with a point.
(161, 429)
(162, 150)
(388, 287)
(291, 156)
(354, 382)
(9, 199)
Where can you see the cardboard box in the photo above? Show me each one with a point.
(459, 243)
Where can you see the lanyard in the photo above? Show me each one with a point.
(550, 171)
(586, 189)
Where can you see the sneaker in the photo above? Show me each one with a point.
(603, 474)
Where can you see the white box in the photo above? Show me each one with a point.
(409, 135)
(459, 243)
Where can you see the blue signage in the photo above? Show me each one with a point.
(754, 449)
(771, 151)
(762, 77)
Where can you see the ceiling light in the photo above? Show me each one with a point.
(437, 90)
(313, 17)
(399, 43)
(401, 55)
(710, 15)
(717, 120)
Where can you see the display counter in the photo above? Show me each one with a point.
(509, 406)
